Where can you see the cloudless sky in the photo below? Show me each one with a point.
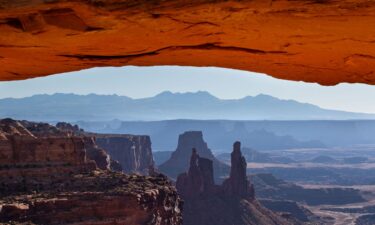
(138, 82)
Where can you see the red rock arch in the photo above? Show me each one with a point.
(315, 41)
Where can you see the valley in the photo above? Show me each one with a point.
(187, 112)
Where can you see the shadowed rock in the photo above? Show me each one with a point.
(179, 161)
(237, 184)
(198, 180)
(133, 152)
(231, 203)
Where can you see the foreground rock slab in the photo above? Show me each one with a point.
(98, 197)
(322, 41)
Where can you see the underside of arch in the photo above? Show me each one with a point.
(323, 41)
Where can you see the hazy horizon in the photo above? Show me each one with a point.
(174, 93)
(143, 82)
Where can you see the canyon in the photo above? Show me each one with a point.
(47, 178)
(321, 41)
(64, 175)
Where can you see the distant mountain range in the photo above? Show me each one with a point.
(165, 106)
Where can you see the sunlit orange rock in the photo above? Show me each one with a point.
(322, 41)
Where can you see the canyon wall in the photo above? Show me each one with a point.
(120, 152)
(22, 146)
(133, 152)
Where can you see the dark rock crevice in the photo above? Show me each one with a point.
(207, 46)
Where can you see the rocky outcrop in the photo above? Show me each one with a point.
(99, 155)
(23, 144)
(46, 178)
(296, 40)
(133, 152)
(93, 151)
(69, 128)
(233, 202)
(198, 180)
(115, 198)
(179, 161)
(237, 184)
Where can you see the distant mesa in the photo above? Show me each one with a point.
(179, 160)
(324, 159)
(355, 160)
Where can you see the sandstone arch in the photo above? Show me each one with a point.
(324, 41)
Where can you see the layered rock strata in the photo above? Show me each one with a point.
(97, 197)
(133, 152)
(25, 150)
(120, 152)
(46, 178)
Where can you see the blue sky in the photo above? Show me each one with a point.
(138, 82)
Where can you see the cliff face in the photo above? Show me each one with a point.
(233, 202)
(119, 152)
(46, 178)
(133, 152)
(321, 41)
(23, 144)
(179, 161)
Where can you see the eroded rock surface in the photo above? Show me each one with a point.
(237, 184)
(98, 197)
(133, 152)
(119, 152)
(310, 40)
(46, 178)
(39, 145)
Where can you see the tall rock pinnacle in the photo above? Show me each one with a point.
(237, 184)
